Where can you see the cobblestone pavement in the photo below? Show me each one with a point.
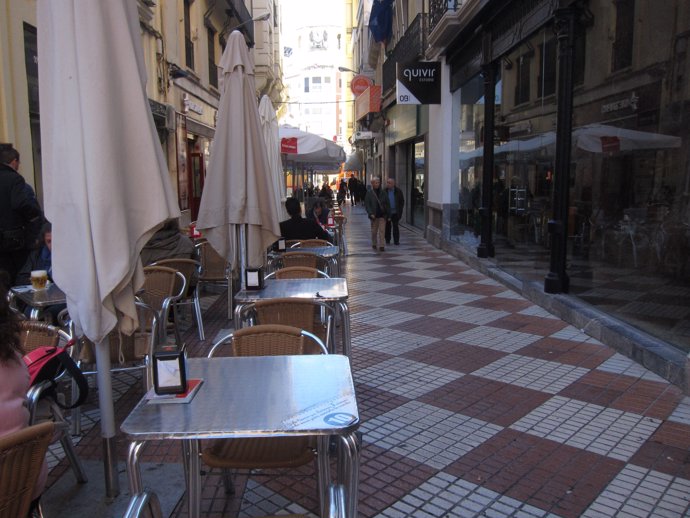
(473, 401)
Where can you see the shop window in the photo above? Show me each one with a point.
(522, 84)
(188, 43)
(547, 69)
(625, 26)
(212, 68)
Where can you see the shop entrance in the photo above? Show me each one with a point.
(196, 180)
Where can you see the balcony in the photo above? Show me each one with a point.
(238, 10)
(437, 8)
(447, 18)
(409, 48)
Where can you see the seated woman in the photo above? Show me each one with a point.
(298, 227)
(14, 382)
(319, 212)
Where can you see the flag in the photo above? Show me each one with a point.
(381, 20)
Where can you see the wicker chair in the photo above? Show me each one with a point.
(263, 453)
(297, 272)
(215, 270)
(312, 316)
(297, 258)
(21, 460)
(163, 287)
(191, 270)
(313, 243)
(35, 334)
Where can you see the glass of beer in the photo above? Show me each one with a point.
(39, 279)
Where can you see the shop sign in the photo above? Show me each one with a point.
(368, 102)
(418, 82)
(359, 84)
(288, 145)
(621, 104)
(188, 104)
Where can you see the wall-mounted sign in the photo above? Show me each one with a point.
(418, 82)
(368, 102)
(359, 84)
(189, 105)
(288, 145)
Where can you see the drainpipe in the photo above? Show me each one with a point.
(557, 280)
(486, 245)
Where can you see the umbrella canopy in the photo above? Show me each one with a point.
(308, 148)
(238, 191)
(601, 138)
(106, 181)
(269, 129)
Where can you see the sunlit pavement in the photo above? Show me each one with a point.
(473, 401)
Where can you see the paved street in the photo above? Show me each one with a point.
(473, 401)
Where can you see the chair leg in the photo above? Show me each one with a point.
(71, 454)
(199, 320)
(228, 482)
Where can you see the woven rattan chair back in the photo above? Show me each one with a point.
(296, 272)
(35, 334)
(269, 340)
(187, 267)
(313, 243)
(160, 283)
(300, 259)
(300, 313)
(214, 267)
(21, 459)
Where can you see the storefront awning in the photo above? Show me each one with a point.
(354, 162)
(368, 102)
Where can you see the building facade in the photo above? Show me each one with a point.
(182, 41)
(559, 154)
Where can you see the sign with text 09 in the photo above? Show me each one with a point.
(418, 82)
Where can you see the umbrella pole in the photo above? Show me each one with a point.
(243, 256)
(105, 403)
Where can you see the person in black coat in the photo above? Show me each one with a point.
(21, 216)
(299, 228)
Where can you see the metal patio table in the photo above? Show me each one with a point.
(330, 253)
(332, 290)
(260, 396)
(38, 300)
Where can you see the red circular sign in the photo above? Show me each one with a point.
(359, 84)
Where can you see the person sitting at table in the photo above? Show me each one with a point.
(298, 227)
(319, 213)
(167, 243)
(41, 259)
(14, 384)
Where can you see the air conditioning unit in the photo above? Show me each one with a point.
(363, 135)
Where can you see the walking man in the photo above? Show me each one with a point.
(396, 202)
(21, 217)
(376, 204)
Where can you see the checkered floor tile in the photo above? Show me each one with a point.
(473, 401)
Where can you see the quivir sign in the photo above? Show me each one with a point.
(418, 82)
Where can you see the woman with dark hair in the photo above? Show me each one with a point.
(14, 380)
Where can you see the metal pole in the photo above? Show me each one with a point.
(486, 246)
(105, 402)
(557, 281)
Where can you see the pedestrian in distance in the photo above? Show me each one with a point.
(21, 216)
(396, 201)
(378, 210)
(353, 187)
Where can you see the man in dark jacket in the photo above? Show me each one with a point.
(397, 202)
(299, 228)
(378, 210)
(20, 214)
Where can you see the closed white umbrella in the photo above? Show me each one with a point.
(238, 188)
(106, 181)
(269, 128)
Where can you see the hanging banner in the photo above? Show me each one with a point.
(418, 82)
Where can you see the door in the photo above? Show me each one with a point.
(418, 185)
(196, 181)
